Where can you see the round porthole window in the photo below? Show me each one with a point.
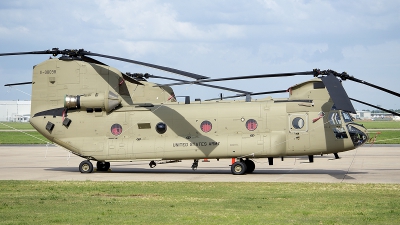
(161, 128)
(206, 126)
(298, 123)
(251, 124)
(116, 129)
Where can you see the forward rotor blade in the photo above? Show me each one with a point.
(243, 95)
(171, 70)
(375, 86)
(377, 107)
(244, 77)
(337, 93)
(345, 76)
(15, 84)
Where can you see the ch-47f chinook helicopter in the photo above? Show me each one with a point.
(101, 114)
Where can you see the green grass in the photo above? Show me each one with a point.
(38, 202)
(16, 125)
(385, 136)
(17, 137)
(379, 124)
(27, 137)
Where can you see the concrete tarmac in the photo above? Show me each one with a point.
(368, 164)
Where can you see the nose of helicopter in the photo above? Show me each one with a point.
(358, 134)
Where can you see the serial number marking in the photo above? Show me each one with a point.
(48, 71)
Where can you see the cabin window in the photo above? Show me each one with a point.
(116, 129)
(251, 124)
(161, 127)
(298, 123)
(206, 126)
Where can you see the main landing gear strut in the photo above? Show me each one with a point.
(242, 167)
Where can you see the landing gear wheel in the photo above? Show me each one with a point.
(250, 165)
(86, 167)
(102, 166)
(238, 168)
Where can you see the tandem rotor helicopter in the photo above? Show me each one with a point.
(103, 115)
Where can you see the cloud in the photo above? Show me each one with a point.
(215, 38)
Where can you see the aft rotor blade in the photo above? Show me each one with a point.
(243, 95)
(377, 107)
(15, 84)
(244, 77)
(91, 60)
(82, 52)
(205, 85)
(26, 53)
(337, 93)
(171, 70)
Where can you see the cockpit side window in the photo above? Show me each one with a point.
(338, 130)
(334, 118)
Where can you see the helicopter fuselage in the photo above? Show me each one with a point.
(110, 119)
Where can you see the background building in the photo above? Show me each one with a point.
(364, 115)
(15, 111)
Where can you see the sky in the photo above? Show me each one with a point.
(214, 38)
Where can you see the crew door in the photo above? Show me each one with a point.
(298, 138)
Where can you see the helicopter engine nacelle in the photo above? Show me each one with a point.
(92, 101)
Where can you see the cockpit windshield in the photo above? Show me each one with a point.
(357, 136)
(335, 119)
(347, 117)
(340, 123)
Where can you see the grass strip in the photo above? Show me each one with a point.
(43, 202)
(15, 125)
(27, 137)
(379, 124)
(385, 136)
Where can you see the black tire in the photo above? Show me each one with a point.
(102, 166)
(86, 167)
(250, 165)
(238, 168)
